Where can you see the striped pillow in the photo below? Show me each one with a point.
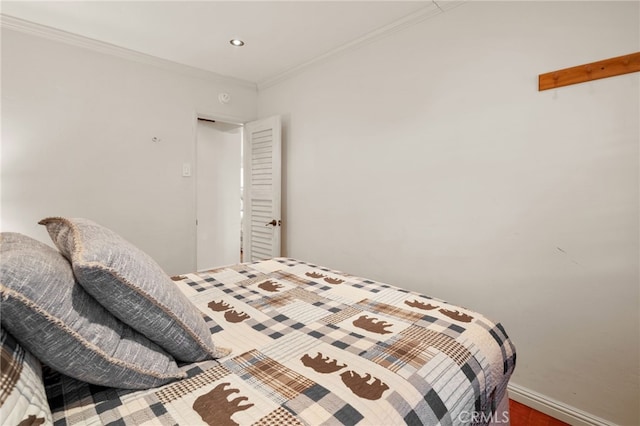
(22, 395)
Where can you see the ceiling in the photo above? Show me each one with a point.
(280, 36)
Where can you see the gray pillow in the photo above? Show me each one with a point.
(45, 309)
(133, 287)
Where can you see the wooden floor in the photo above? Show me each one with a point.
(521, 415)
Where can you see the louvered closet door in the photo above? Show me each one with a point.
(262, 180)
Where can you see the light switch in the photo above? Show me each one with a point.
(186, 169)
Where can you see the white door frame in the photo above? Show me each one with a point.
(218, 118)
(242, 123)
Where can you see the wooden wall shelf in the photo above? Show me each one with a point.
(593, 71)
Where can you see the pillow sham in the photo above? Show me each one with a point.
(22, 396)
(45, 309)
(132, 286)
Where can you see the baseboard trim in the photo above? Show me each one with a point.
(554, 408)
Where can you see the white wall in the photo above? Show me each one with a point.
(76, 141)
(218, 194)
(429, 160)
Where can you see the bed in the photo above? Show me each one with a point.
(309, 346)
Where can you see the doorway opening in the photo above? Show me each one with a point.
(218, 193)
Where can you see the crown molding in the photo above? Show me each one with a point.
(434, 8)
(31, 28)
(446, 5)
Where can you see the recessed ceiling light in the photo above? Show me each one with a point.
(236, 42)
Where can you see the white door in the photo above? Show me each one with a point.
(218, 161)
(262, 187)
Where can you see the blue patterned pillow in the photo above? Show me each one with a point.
(45, 309)
(133, 287)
